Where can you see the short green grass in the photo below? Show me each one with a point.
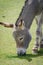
(9, 12)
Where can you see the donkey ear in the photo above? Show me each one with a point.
(22, 22)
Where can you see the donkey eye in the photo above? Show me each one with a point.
(21, 38)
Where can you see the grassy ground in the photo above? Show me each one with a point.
(9, 11)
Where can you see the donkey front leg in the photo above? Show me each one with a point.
(41, 41)
(38, 34)
(37, 42)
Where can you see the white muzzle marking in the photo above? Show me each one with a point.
(21, 49)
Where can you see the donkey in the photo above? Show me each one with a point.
(32, 9)
(22, 26)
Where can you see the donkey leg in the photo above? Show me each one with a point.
(41, 38)
(38, 34)
(36, 45)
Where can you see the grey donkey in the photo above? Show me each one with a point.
(30, 9)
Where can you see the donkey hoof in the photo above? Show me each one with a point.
(35, 51)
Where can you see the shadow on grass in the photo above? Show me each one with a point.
(28, 57)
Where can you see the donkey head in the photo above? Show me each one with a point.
(22, 37)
